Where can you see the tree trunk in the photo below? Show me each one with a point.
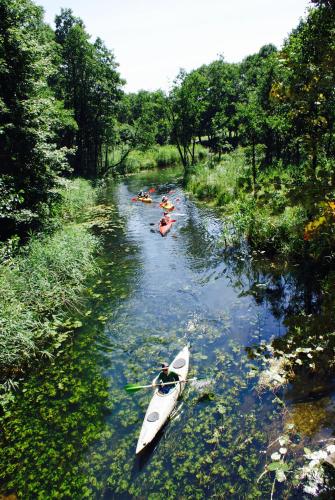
(314, 156)
(106, 157)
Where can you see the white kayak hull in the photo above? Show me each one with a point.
(161, 405)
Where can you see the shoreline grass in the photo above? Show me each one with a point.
(40, 284)
(157, 157)
(271, 219)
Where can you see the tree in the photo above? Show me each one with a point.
(90, 84)
(141, 123)
(219, 123)
(187, 103)
(326, 3)
(306, 85)
(30, 116)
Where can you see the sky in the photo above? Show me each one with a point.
(153, 39)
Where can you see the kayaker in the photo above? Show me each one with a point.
(140, 194)
(165, 199)
(166, 376)
(165, 219)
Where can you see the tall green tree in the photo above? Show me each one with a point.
(305, 87)
(30, 117)
(187, 104)
(219, 123)
(141, 123)
(90, 84)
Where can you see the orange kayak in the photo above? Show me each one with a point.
(163, 229)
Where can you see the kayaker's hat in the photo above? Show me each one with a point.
(165, 366)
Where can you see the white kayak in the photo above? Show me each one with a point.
(161, 405)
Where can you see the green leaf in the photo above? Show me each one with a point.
(277, 466)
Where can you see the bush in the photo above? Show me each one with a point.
(218, 184)
(281, 233)
(74, 197)
(139, 160)
(201, 153)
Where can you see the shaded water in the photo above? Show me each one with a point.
(72, 432)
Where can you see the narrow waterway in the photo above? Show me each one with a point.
(72, 431)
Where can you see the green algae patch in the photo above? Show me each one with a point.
(58, 414)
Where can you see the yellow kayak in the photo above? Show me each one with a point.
(167, 206)
(145, 200)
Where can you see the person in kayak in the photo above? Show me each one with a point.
(165, 219)
(143, 194)
(165, 200)
(166, 376)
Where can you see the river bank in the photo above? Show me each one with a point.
(43, 281)
(282, 212)
(72, 429)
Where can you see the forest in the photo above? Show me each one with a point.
(254, 140)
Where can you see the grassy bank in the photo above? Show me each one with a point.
(156, 157)
(272, 216)
(43, 281)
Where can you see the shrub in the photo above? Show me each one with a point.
(74, 197)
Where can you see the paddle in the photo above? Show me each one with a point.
(135, 387)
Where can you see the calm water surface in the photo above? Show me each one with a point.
(72, 432)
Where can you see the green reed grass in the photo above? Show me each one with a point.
(219, 184)
(75, 196)
(43, 281)
(271, 219)
(158, 157)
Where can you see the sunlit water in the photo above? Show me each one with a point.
(72, 432)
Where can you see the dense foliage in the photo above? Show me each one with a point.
(281, 117)
(58, 99)
(30, 116)
(89, 84)
(41, 283)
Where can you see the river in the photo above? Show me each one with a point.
(71, 430)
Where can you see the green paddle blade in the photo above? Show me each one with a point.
(133, 387)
